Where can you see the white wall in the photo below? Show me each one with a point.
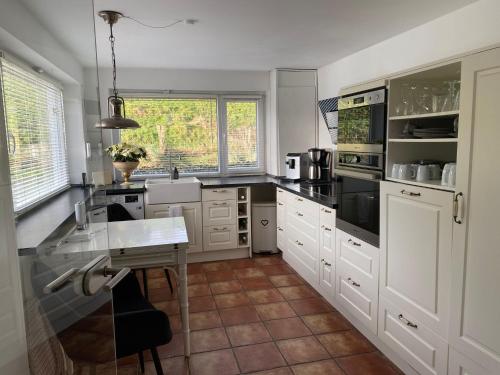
(176, 80)
(472, 27)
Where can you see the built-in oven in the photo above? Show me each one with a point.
(357, 185)
(361, 122)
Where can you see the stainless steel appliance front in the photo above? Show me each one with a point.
(361, 122)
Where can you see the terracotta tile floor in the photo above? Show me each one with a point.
(257, 316)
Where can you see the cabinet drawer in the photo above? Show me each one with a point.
(219, 237)
(304, 224)
(219, 213)
(304, 259)
(280, 213)
(357, 298)
(218, 194)
(327, 217)
(303, 205)
(418, 345)
(281, 195)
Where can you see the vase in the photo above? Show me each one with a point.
(126, 167)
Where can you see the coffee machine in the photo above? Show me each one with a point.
(319, 165)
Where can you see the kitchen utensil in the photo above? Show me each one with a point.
(407, 172)
(446, 174)
(423, 173)
(435, 171)
(452, 176)
(395, 170)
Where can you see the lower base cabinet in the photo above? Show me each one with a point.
(357, 270)
(220, 237)
(425, 351)
(461, 365)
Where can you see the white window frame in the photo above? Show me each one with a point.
(221, 100)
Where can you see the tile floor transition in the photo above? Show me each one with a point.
(258, 316)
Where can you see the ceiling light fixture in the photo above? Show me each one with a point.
(116, 104)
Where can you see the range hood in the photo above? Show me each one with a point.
(329, 110)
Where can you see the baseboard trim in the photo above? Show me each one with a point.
(210, 256)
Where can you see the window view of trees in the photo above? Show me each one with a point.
(187, 130)
(242, 134)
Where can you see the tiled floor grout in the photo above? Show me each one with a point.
(204, 268)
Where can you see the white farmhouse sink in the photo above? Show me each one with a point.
(165, 190)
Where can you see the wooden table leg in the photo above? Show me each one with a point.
(183, 294)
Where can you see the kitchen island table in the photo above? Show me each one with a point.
(140, 244)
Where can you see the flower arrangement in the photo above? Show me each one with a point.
(124, 152)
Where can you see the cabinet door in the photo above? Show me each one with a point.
(156, 211)
(415, 244)
(327, 260)
(219, 213)
(297, 116)
(475, 300)
(219, 238)
(458, 364)
(193, 219)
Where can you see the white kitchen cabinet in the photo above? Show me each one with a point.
(415, 252)
(418, 345)
(293, 114)
(281, 219)
(356, 282)
(192, 217)
(475, 298)
(327, 253)
(219, 212)
(221, 237)
(219, 194)
(458, 364)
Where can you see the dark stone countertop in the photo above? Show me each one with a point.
(323, 194)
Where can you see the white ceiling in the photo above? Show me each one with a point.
(235, 34)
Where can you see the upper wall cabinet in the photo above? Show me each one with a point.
(475, 301)
(294, 116)
(423, 120)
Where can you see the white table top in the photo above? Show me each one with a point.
(131, 234)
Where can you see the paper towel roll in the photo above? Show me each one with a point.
(175, 211)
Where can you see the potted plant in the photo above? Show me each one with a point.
(126, 158)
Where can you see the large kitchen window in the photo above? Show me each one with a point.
(34, 118)
(198, 134)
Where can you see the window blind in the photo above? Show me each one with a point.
(34, 117)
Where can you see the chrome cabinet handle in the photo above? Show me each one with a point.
(299, 199)
(55, 285)
(219, 191)
(458, 208)
(299, 214)
(325, 210)
(353, 283)
(299, 243)
(326, 263)
(219, 204)
(118, 276)
(407, 322)
(353, 243)
(326, 228)
(220, 229)
(280, 204)
(280, 229)
(410, 193)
